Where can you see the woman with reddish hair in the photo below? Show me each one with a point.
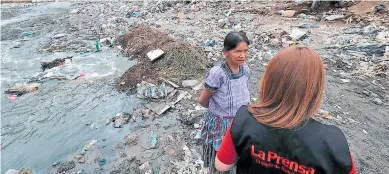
(278, 134)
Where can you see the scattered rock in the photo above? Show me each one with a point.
(198, 135)
(383, 36)
(131, 139)
(74, 11)
(17, 45)
(345, 80)
(367, 93)
(377, 101)
(185, 148)
(107, 42)
(288, 13)
(80, 159)
(123, 155)
(374, 95)
(12, 171)
(146, 168)
(196, 126)
(189, 83)
(365, 132)
(80, 172)
(132, 157)
(107, 121)
(65, 166)
(57, 36)
(145, 112)
(121, 119)
(147, 154)
(157, 108)
(119, 146)
(89, 144)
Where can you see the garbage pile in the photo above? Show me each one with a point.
(159, 56)
(54, 63)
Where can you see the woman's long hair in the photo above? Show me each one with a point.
(291, 88)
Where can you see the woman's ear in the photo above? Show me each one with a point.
(226, 53)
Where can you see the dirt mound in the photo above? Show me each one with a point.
(142, 39)
(181, 60)
(142, 71)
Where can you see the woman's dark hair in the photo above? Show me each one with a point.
(233, 39)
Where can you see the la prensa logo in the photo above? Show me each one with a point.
(271, 159)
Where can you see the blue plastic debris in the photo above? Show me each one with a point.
(153, 141)
(27, 33)
(102, 162)
(136, 14)
(209, 43)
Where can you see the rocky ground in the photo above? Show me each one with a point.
(356, 97)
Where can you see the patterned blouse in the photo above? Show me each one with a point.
(231, 89)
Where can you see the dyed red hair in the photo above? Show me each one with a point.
(291, 88)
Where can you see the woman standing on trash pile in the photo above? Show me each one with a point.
(225, 91)
(278, 134)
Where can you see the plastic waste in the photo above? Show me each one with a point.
(136, 14)
(27, 33)
(12, 96)
(210, 43)
(379, 7)
(102, 162)
(153, 141)
(98, 46)
(308, 26)
(122, 32)
(271, 53)
(149, 90)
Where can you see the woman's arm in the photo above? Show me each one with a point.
(220, 166)
(204, 97)
(226, 157)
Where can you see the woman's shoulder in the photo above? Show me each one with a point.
(216, 69)
(333, 136)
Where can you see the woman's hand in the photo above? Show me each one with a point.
(204, 97)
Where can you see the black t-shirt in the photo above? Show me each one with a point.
(312, 148)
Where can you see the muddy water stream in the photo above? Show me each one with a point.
(42, 127)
